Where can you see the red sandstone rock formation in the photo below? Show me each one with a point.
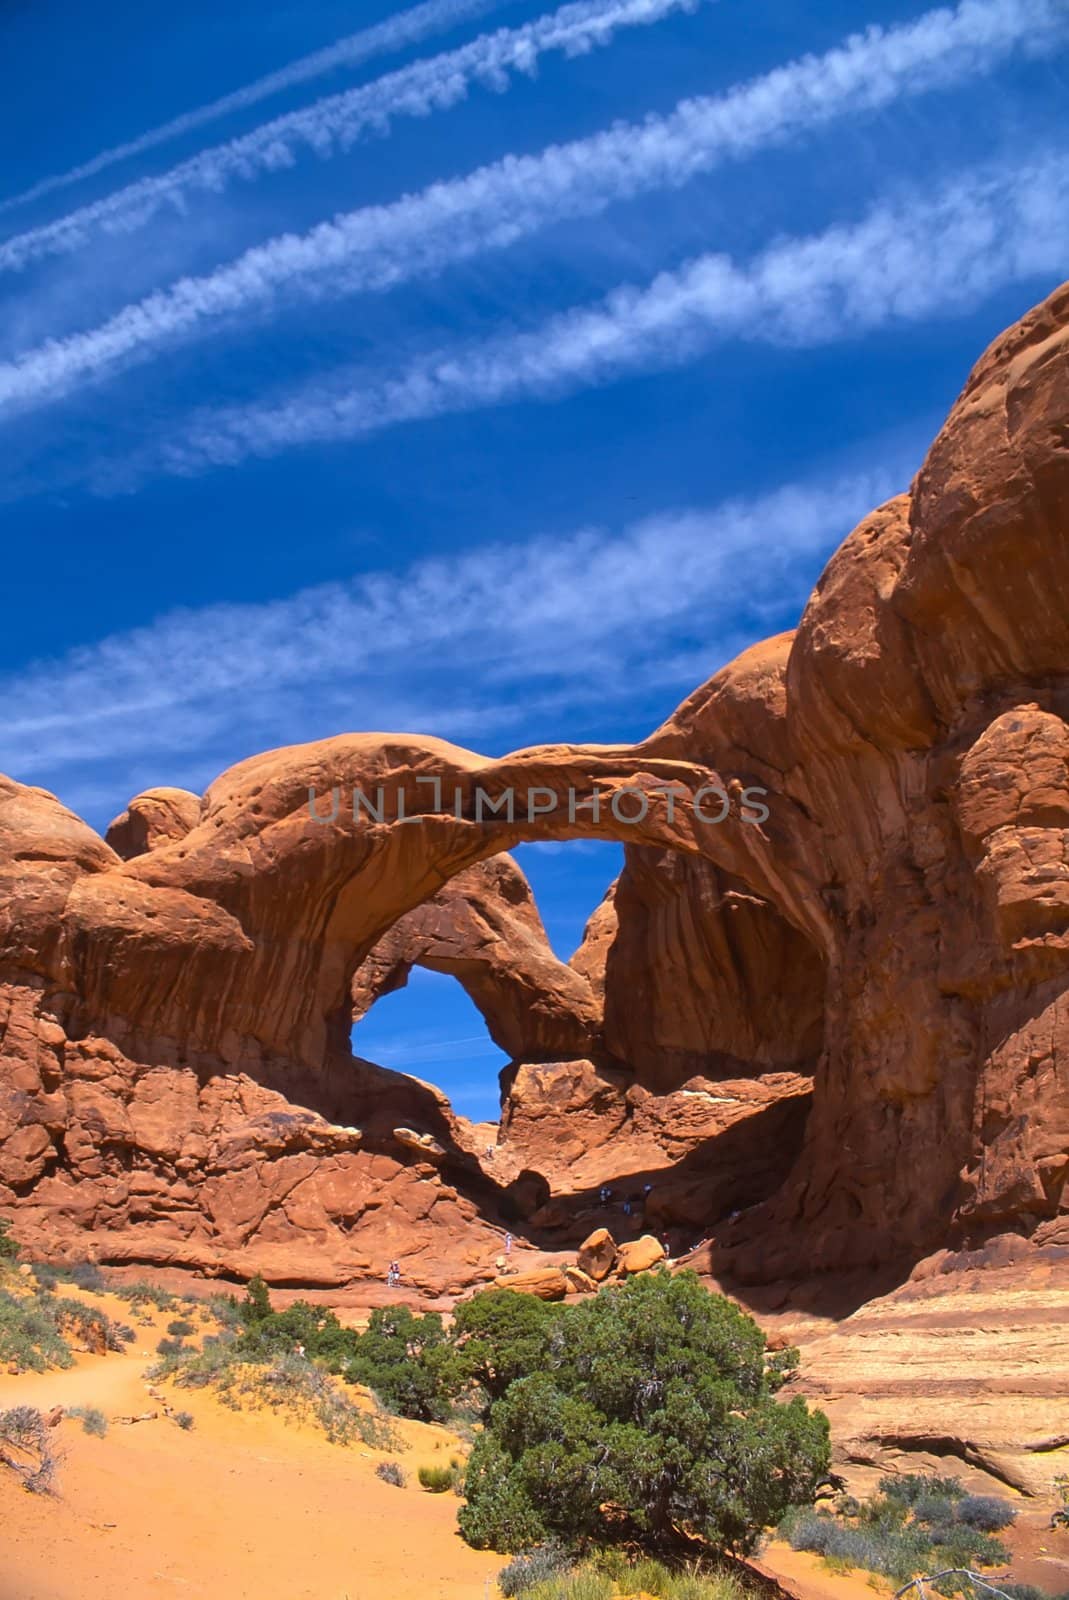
(176, 1075)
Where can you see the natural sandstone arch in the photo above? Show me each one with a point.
(483, 928)
(932, 662)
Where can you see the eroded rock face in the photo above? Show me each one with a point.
(704, 978)
(898, 924)
(153, 818)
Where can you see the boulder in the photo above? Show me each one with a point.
(639, 1255)
(424, 1144)
(597, 1255)
(579, 1282)
(548, 1283)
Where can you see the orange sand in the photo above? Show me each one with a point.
(242, 1505)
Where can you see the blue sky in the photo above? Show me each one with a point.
(479, 369)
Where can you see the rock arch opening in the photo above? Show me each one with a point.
(668, 1064)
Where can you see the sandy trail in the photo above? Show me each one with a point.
(242, 1505)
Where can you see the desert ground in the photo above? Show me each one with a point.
(241, 1505)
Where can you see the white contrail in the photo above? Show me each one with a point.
(904, 262)
(379, 246)
(336, 122)
(411, 647)
(407, 27)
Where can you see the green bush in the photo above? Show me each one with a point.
(409, 1363)
(501, 1335)
(654, 1416)
(93, 1421)
(436, 1479)
(181, 1328)
(30, 1338)
(9, 1250)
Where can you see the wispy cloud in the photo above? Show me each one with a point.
(906, 261)
(377, 247)
(453, 646)
(407, 27)
(337, 121)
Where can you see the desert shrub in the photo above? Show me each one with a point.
(392, 1472)
(408, 1361)
(181, 1328)
(93, 1421)
(903, 1534)
(86, 1324)
(9, 1250)
(934, 1510)
(196, 1369)
(147, 1294)
(225, 1309)
(296, 1385)
(914, 1486)
(30, 1338)
(1026, 1591)
(984, 1511)
(436, 1479)
(87, 1275)
(581, 1583)
(26, 1447)
(1060, 1519)
(46, 1276)
(289, 1383)
(171, 1347)
(183, 1420)
(898, 1552)
(654, 1411)
(532, 1567)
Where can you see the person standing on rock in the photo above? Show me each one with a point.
(508, 1244)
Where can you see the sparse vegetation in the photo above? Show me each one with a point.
(392, 1472)
(87, 1275)
(525, 1571)
(169, 1348)
(546, 1573)
(181, 1328)
(93, 1420)
(146, 1294)
(1060, 1519)
(437, 1480)
(183, 1420)
(26, 1448)
(287, 1382)
(30, 1339)
(914, 1525)
(9, 1250)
